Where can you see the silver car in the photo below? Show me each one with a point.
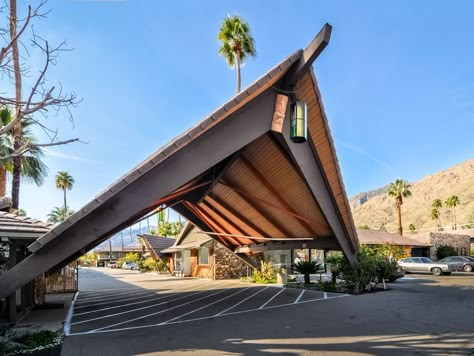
(425, 265)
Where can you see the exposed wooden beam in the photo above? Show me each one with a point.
(275, 193)
(222, 170)
(279, 114)
(256, 206)
(226, 220)
(216, 200)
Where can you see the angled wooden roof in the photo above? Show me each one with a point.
(21, 227)
(190, 237)
(236, 175)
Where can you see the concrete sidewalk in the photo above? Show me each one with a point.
(50, 318)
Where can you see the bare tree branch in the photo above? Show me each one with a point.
(29, 146)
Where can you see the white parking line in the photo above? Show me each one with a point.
(67, 323)
(133, 310)
(184, 289)
(164, 295)
(325, 295)
(115, 297)
(205, 306)
(299, 297)
(156, 313)
(98, 331)
(269, 300)
(257, 292)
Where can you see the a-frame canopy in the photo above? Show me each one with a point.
(236, 175)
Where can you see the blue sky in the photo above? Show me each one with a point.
(397, 81)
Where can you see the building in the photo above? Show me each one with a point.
(155, 246)
(413, 246)
(196, 254)
(258, 174)
(117, 252)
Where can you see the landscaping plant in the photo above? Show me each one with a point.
(266, 274)
(306, 268)
(445, 251)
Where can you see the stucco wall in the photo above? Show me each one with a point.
(461, 243)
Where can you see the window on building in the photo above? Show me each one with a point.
(203, 256)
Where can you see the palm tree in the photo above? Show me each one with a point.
(32, 167)
(237, 43)
(307, 268)
(436, 205)
(58, 215)
(435, 216)
(65, 182)
(399, 190)
(451, 203)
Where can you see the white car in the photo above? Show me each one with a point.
(129, 265)
(425, 265)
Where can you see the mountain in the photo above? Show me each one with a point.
(379, 210)
(129, 237)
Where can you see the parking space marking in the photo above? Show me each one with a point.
(299, 297)
(102, 330)
(159, 312)
(325, 295)
(120, 295)
(269, 300)
(251, 296)
(161, 296)
(203, 307)
(132, 310)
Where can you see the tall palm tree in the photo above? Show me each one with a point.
(435, 206)
(32, 167)
(237, 43)
(451, 203)
(65, 182)
(435, 217)
(398, 190)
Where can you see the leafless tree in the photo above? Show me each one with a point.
(42, 99)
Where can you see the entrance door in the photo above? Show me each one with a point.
(186, 262)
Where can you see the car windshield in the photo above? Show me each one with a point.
(425, 260)
(470, 258)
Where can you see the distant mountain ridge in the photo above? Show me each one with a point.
(379, 210)
(129, 237)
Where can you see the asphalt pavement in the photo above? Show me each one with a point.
(128, 313)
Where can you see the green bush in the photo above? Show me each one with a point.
(306, 268)
(266, 274)
(151, 265)
(335, 260)
(34, 342)
(445, 251)
(326, 286)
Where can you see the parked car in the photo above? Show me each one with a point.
(129, 265)
(399, 273)
(113, 264)
(425, 265)
(460, 263)
(100, 263)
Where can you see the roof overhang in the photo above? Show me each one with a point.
(236, 174)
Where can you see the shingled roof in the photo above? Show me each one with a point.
(22, 227)
(156, 244)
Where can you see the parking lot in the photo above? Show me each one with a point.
(144, 314)
(179, 300)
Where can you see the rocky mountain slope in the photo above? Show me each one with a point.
(379, 210)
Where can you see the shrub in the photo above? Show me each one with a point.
(336, 260)
(266, 274)
(306, 268)
(326, 286)
(445, 251)
(34, 343)
(151, 265)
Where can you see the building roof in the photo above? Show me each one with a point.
(157, 244)
(136, 248)
(22, 227)
(378, 237)
(237, 175)
(190, 237)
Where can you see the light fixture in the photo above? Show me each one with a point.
(298, 124)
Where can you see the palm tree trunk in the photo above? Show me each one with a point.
(17, 129)
(454, 209)
(238, 72)
(400, 228)
(65, 204)
(3, 180)
(306, 279)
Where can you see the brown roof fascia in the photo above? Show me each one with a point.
(245, 96)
